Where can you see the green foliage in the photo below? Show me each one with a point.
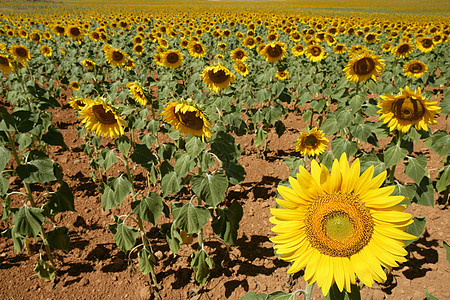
(447, 251)
(210, 188)
(125, 237)
(188, 217)
(416, 228)
(335, 294)
(203, 264)
(28, 220)
(149, 208)
(114, 191)
(226, 223)
(58, 238)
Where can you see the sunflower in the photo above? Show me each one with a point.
(311, 143)
(249, 42)
(79, 103)
(282, 75)
(59, 30)
(298, 50)
(20, 53)
(187, 118)
(315, 53)
(88, 64)
(46, 50)
(115, 57)
(75, 33)
(35, 37)
(370, 38)
(184, 43)
(407, 109)
(74, 85)
(130, 64)
(238, 54)
(137, 40)
(158, 59)
(415, 68)
(196, 49)
(102, 119)
(217, 77)
(386, 47)
(137, 92)
(241, 68)
(425, 44)
(220, 56)
(5, 64)
(172, 59)
(363, 67)
(138, 49)
(339, 49)
(339, 224)
(403, 50)
(274, 52)
(94, 35)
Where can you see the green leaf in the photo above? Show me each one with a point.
(447, 251)
(125, 237)
(330, 126)
(272, 114)
(416, 228)
(335, 294)
(254, 296)
(123, 144)
(210, 188)
(143, 156)
(280, 295)
(149, 208)
(54, 137)
(261, 135)
(5, 156)
(107, 158)
(59, 238)
(146, 261)
(194, 146)
(4, 185)
(225, 147)
(439, 142)
(235, 171)
(226, 224)
(28, 220)
(444, 179)
(166, 151)
(188, 217)
(171, 183)
(340, 145)
(184, 164)
(62, 200)
(415, 168)
(202, 263)
(44, 270)
(371, 159)
(425, 193)
(428, 296)
(39, 168)
(393, 155)
(344, 118)
(115, 191)
(172, 236)
(406, 190)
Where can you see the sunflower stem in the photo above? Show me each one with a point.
(392, 171)
(308, 291)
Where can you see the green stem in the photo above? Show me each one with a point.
(311, 120)
(392, 171)
(308, 291)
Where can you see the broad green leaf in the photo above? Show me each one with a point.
(416, 228)
(44, 270)
(39, 168)
(425, 192)
(279, 295)
(444, 179)
(115, 191)
(335, 294)
(5, 156)
(172, 236)
(226, 224)
(194, 146)
(330, 126)
(143, 156)
(394, 154)
(261, 135)
(28, 220)
(123, 144)
(166, 151)
(4, 185)
(210, 188)
(406, 190)
(447, 251)
(203, 264)
(371, 159)
(340, 145)
(439, 142)
(235, 171)
(415, 168)
(272, 114)
(207, 160)
(125, 237)
(62, 200)
(225, 147)
(254, 296)
(59, 238)
(171, 183)
(344, 118)
(190, 218)
(107, 158)
(149, 208)
(146, 261)
(54, 137)
(184, 164)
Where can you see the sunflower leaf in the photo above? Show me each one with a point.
(415, 168)
(428, 296)
(416, 228)
(340, 145)
(28, 220)
(425, 192)
(194, 146)
(254, 296)
(115, 191)
(5, 156)
(447, 251)
(393, 155)
(171, 183)
(190, 218)
(444, 179)
(439, 142)
(39, 168)
(146, 261)
(226, 224)
(59, 238)
(335, 294)
(125, 237)
(210, 188)
(62, 200)
(203, 264)
(149, 208)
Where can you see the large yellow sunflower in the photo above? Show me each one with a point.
(415, 68)
(340, 224)
(115, 57)
(363, 67)
(137, 92)
(403, 50)
(425, 44)
(20, 53)
(217, 77)
(102, 119)
(187, 118)
(172, 59)
(46, 50)
(340, 49)
(315, 53)
(274, 52)
(406, 110)
(298, 50)
(311, 143)
(75, 33)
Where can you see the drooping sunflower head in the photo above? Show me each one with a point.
(74, 85)
(172, 59)
(315, 53)
(217, 77)
(241, 68)
(238, 54)
(46, 50)
(311, 143)
(340, 224)
(274, 52)
(102, 119)
(403, 50)
(20, 53)
(188, 118)
(415, 68)
(363, 67)
(116, 57)
(137, 92)
(407, 109)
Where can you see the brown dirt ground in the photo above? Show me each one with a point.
(94, 268)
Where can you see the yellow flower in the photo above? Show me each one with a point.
(407, 109)
(88, 64)
(241, 68)
(46, 50)
(340, 224)
(339, 49)
(403, 50)
(274, 52)
(79, 103)
(187, 118)
(363, 67)
(217, 77)
(249, 42)
(311, 143)
(315, 53)
(172, 59)
(415, 68)
(138, 49)
(5, 64)
(74, 85)
(425, 44)
(282, 75)
(196, 49)
(75, 33)
(129, 64)
(20, 53)
(102, 119)
(115, 57)
(137, 92)
(238, 54)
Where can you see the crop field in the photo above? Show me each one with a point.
(224, 150)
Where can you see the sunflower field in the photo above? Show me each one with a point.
(242, 150)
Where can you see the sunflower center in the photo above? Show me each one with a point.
(427, 43)
(315, 51)
(408, 108)
(338, 224)
(22, 52)
(103, 116)
(172, 57)
(4, 61)
(75, 31)
(190, 119)
(117, 56)
(218, 76)
(364, 66)
(403, 49)
(198, 48)
(239, 54)
(415, 68)
(311, 140)
(274, 50)
(250, 42)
